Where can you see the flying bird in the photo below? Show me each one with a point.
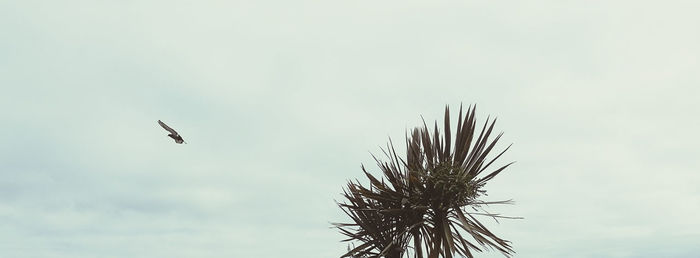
(173, 134)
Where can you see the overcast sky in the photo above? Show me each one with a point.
(281, 101)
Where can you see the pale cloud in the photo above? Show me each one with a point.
(280, 102)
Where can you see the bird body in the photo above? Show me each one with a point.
(173, 134)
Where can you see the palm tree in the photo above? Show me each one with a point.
(427, 203)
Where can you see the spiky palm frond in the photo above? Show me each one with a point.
(382, 221)
(424, 197)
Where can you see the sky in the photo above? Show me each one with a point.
(280, 103)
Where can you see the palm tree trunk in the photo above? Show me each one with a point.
(393, 254)
(416, 243)
(440, 240)
(435, 249)
(437, 236)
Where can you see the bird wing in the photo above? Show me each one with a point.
(166, 127)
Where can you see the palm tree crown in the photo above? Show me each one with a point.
(420, 204)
